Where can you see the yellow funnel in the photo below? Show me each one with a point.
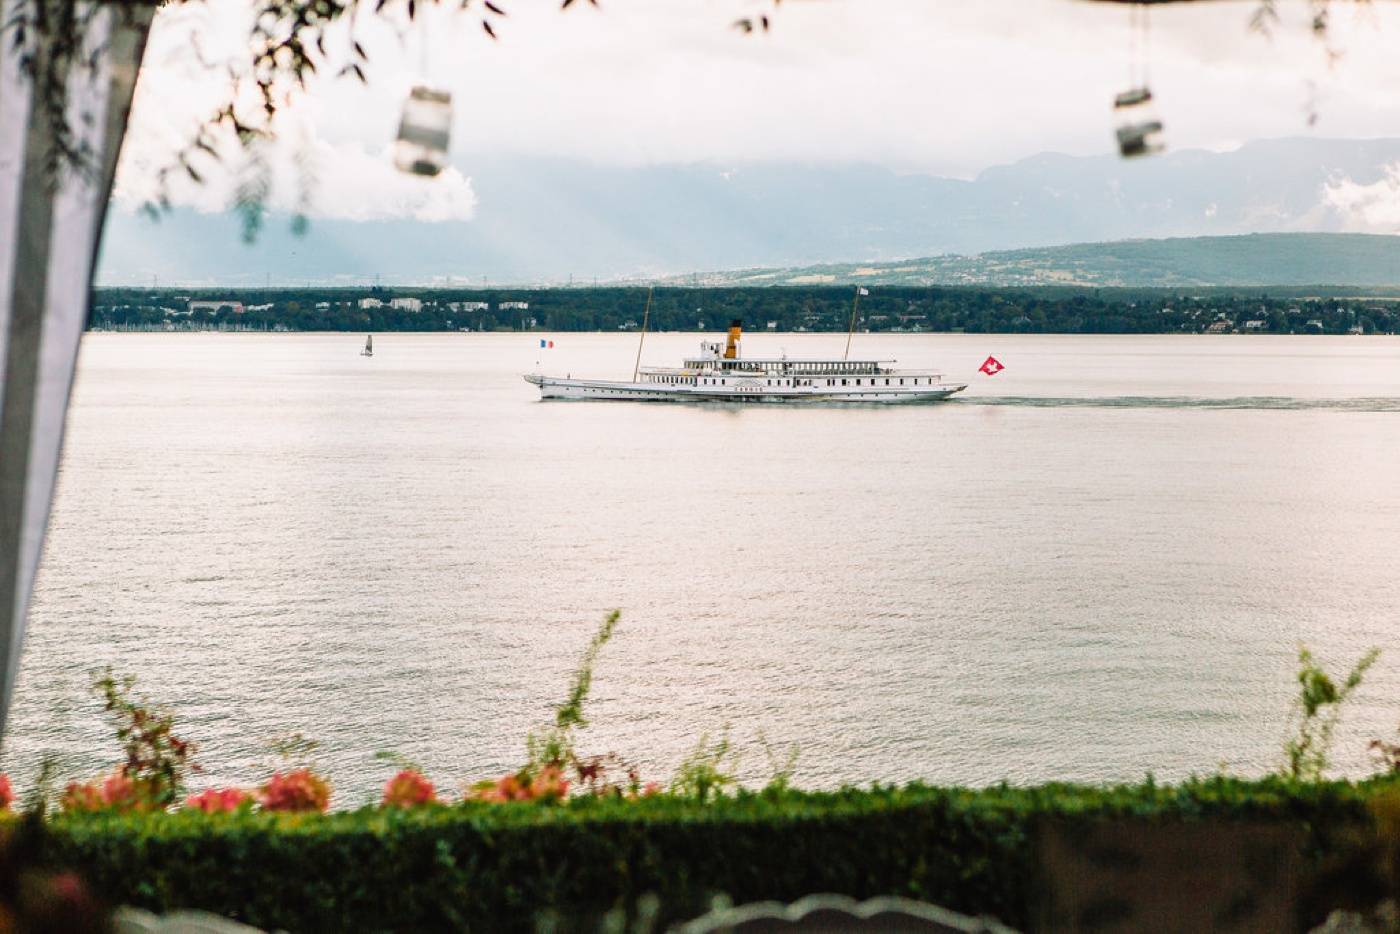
(731, 347)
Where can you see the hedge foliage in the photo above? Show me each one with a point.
(498, 867)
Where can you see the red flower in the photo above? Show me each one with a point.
(7, 794)
(118, 791)
(298, 790)
(549, 782)
(218, 800)
(408, 789)
(81, 796)
(115, 792)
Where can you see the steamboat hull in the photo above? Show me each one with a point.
(564, 388)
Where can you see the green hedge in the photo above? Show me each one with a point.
(496, 867)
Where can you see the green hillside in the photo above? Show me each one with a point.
(1279, 259)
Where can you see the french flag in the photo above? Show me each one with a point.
(545, 343)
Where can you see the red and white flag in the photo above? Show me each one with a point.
(991, 366)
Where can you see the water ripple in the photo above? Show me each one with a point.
(1273, 403)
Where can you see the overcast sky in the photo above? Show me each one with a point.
(934, 86)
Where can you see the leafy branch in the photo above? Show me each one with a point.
(1316, 712)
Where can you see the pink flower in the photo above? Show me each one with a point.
(118, 791)
(68, 888)
(549, 782)
(7, 794)
(408, 789)
(298, 790)
(651, 788)
(508, 788)
(81, 796)
(218, 800)
(115, 792)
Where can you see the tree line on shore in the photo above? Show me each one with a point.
(796, 308)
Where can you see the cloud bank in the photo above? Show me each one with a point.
(1367, 208)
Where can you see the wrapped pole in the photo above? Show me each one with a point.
(69, 97)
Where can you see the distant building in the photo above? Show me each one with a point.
(469, 306)
(772, 325)
(514, 306)
(1220, 327)
(235, 307)
(1316, 323)
(414, 305)
(370, 303)
(323, 306)
(265, 307)
(1254, 324)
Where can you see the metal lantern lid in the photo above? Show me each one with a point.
(424, 132)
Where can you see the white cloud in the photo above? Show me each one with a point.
(1373, 208)
(349, 183)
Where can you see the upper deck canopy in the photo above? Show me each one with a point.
(779, 365)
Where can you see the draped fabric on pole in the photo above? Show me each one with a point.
(50, 221)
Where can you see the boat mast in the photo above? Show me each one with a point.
(854, 304)
(637, 368)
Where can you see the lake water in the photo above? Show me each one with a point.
(1097, 564)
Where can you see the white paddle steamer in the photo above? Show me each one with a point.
(720, 373)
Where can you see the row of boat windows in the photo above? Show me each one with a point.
(842, 366)
(712, 381)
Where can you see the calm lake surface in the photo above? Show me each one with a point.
(1096, 564)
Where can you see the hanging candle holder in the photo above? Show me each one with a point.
(424, 130)
(1139, 131)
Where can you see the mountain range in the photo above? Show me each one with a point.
(1277, 259)
(545, 220)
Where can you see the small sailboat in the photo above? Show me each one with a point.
(369, 346)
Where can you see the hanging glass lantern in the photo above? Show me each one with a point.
(423, 132)
(1139, 131)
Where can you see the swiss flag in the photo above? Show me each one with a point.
(991, 366)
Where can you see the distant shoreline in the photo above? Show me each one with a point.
(542, 332)
(811, 309)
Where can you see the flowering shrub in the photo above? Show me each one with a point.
(7, 794)
(407, 789)
(546, 783)
(115, 792)
(81, 796)
(156, 759)
(1386, 755)
(611, 775)
(219, 800)
(972, 850)
(298, 790)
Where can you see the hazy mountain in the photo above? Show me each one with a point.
(1280, 259)
(542, 220)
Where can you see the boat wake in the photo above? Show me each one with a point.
(1271, 403)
